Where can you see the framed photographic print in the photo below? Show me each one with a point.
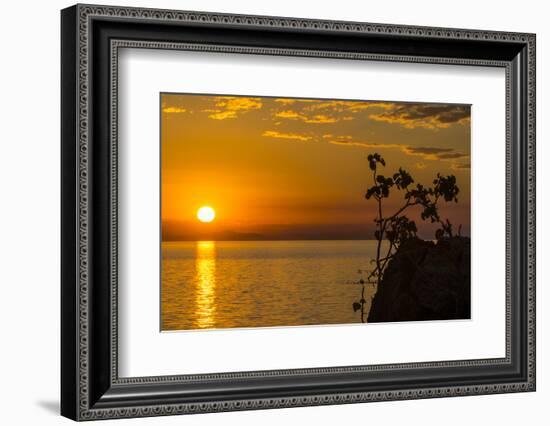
(263, 212)
(291, 231)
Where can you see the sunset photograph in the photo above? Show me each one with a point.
(279, 211)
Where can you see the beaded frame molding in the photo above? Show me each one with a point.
(91, 39)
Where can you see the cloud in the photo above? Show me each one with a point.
(293, 115)
(279, 135)
(433, 153)
(285, 101)
(321, 119)
(227, 107)
(420, 166)
(223, 115)
(451, 155)
(331, 136)
(290, 101)
(426, 152)
(350, 141)
(324, 112)
(429, 116)
(364, 144)
(173, 110)
(348, 106)
(409, 115)
(463, 166)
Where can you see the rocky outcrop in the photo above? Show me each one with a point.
(425, 281)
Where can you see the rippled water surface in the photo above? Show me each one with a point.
(225, 284)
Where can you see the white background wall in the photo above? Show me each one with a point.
(29, 211)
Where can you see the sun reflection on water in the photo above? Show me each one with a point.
(205, 277)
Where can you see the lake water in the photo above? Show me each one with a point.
(226, 284)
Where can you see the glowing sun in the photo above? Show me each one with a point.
(206, 214)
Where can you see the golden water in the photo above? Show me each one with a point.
(227, 284)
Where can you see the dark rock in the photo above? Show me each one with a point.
(425, 281)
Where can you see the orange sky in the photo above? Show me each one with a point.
(287, 168)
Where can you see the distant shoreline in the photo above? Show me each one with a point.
(278, 240)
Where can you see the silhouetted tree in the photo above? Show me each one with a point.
(395, 228)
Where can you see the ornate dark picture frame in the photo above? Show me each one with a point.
(90, 385)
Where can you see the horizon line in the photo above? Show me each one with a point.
(300, 239)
